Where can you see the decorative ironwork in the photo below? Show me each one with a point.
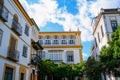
(13, 54)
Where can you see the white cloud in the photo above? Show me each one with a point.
(47, 10)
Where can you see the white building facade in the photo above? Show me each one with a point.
(15, 41)
(61, 46)
(103, 25)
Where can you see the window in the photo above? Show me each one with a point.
(1, 5)
(98, 37)
(95, 42)
(102, 31)
(55, 55)
(13, 44)
(22, 76)
(15, 18)
(71, 41)
(40, 40)
(27, 30)
(25, 48)
(70, 57)
(114, 25)
(64, 40)
(9, 72)
(1, 33)
(55, 40)
(48, 41)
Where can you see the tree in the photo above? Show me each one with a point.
(78, 69)
(46, 68)
(110, 56)
(93, 69)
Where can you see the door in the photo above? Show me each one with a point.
(9, 75)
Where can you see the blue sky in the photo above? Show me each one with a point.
(63, 15)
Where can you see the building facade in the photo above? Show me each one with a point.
(36, 50)
(103, 25)
(16, 36)
(61, 46)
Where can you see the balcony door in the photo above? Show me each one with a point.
(13, 43)
(1, 5)
(9, 73)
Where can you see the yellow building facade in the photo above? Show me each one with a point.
(62, 46)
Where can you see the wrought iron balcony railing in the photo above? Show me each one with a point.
(17, 28)
(13, 54)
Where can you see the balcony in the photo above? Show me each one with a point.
(17, 28)
(37, 45)
(3, 13)
(13, 55)
(34, 59)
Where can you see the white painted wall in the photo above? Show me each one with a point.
(64, 56)
(6, 27)
(107, 29)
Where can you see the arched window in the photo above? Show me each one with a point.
(15, 21)
(40, 40)
(56, 41)
(15, 18)
(48, 41)
(64, 41)
(16, 26)
(71, 40)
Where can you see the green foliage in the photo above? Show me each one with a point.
(47, 67)
(78, 69)
(110, 56)
(93, 69)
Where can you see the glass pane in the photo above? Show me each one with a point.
(22, 76)
(8, 74)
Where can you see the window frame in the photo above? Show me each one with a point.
(56, 40)
(1, 36)
(10, 66)
(47, 40)
(26, 31)
(40, 40)
(70, 57)
(64, 40)
(25, 51)
(72, 40)
(112, 21)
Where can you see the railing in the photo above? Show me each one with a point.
(13, 54)
(3, 13)
(34, 58)
(58, 44)
(17, 28)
